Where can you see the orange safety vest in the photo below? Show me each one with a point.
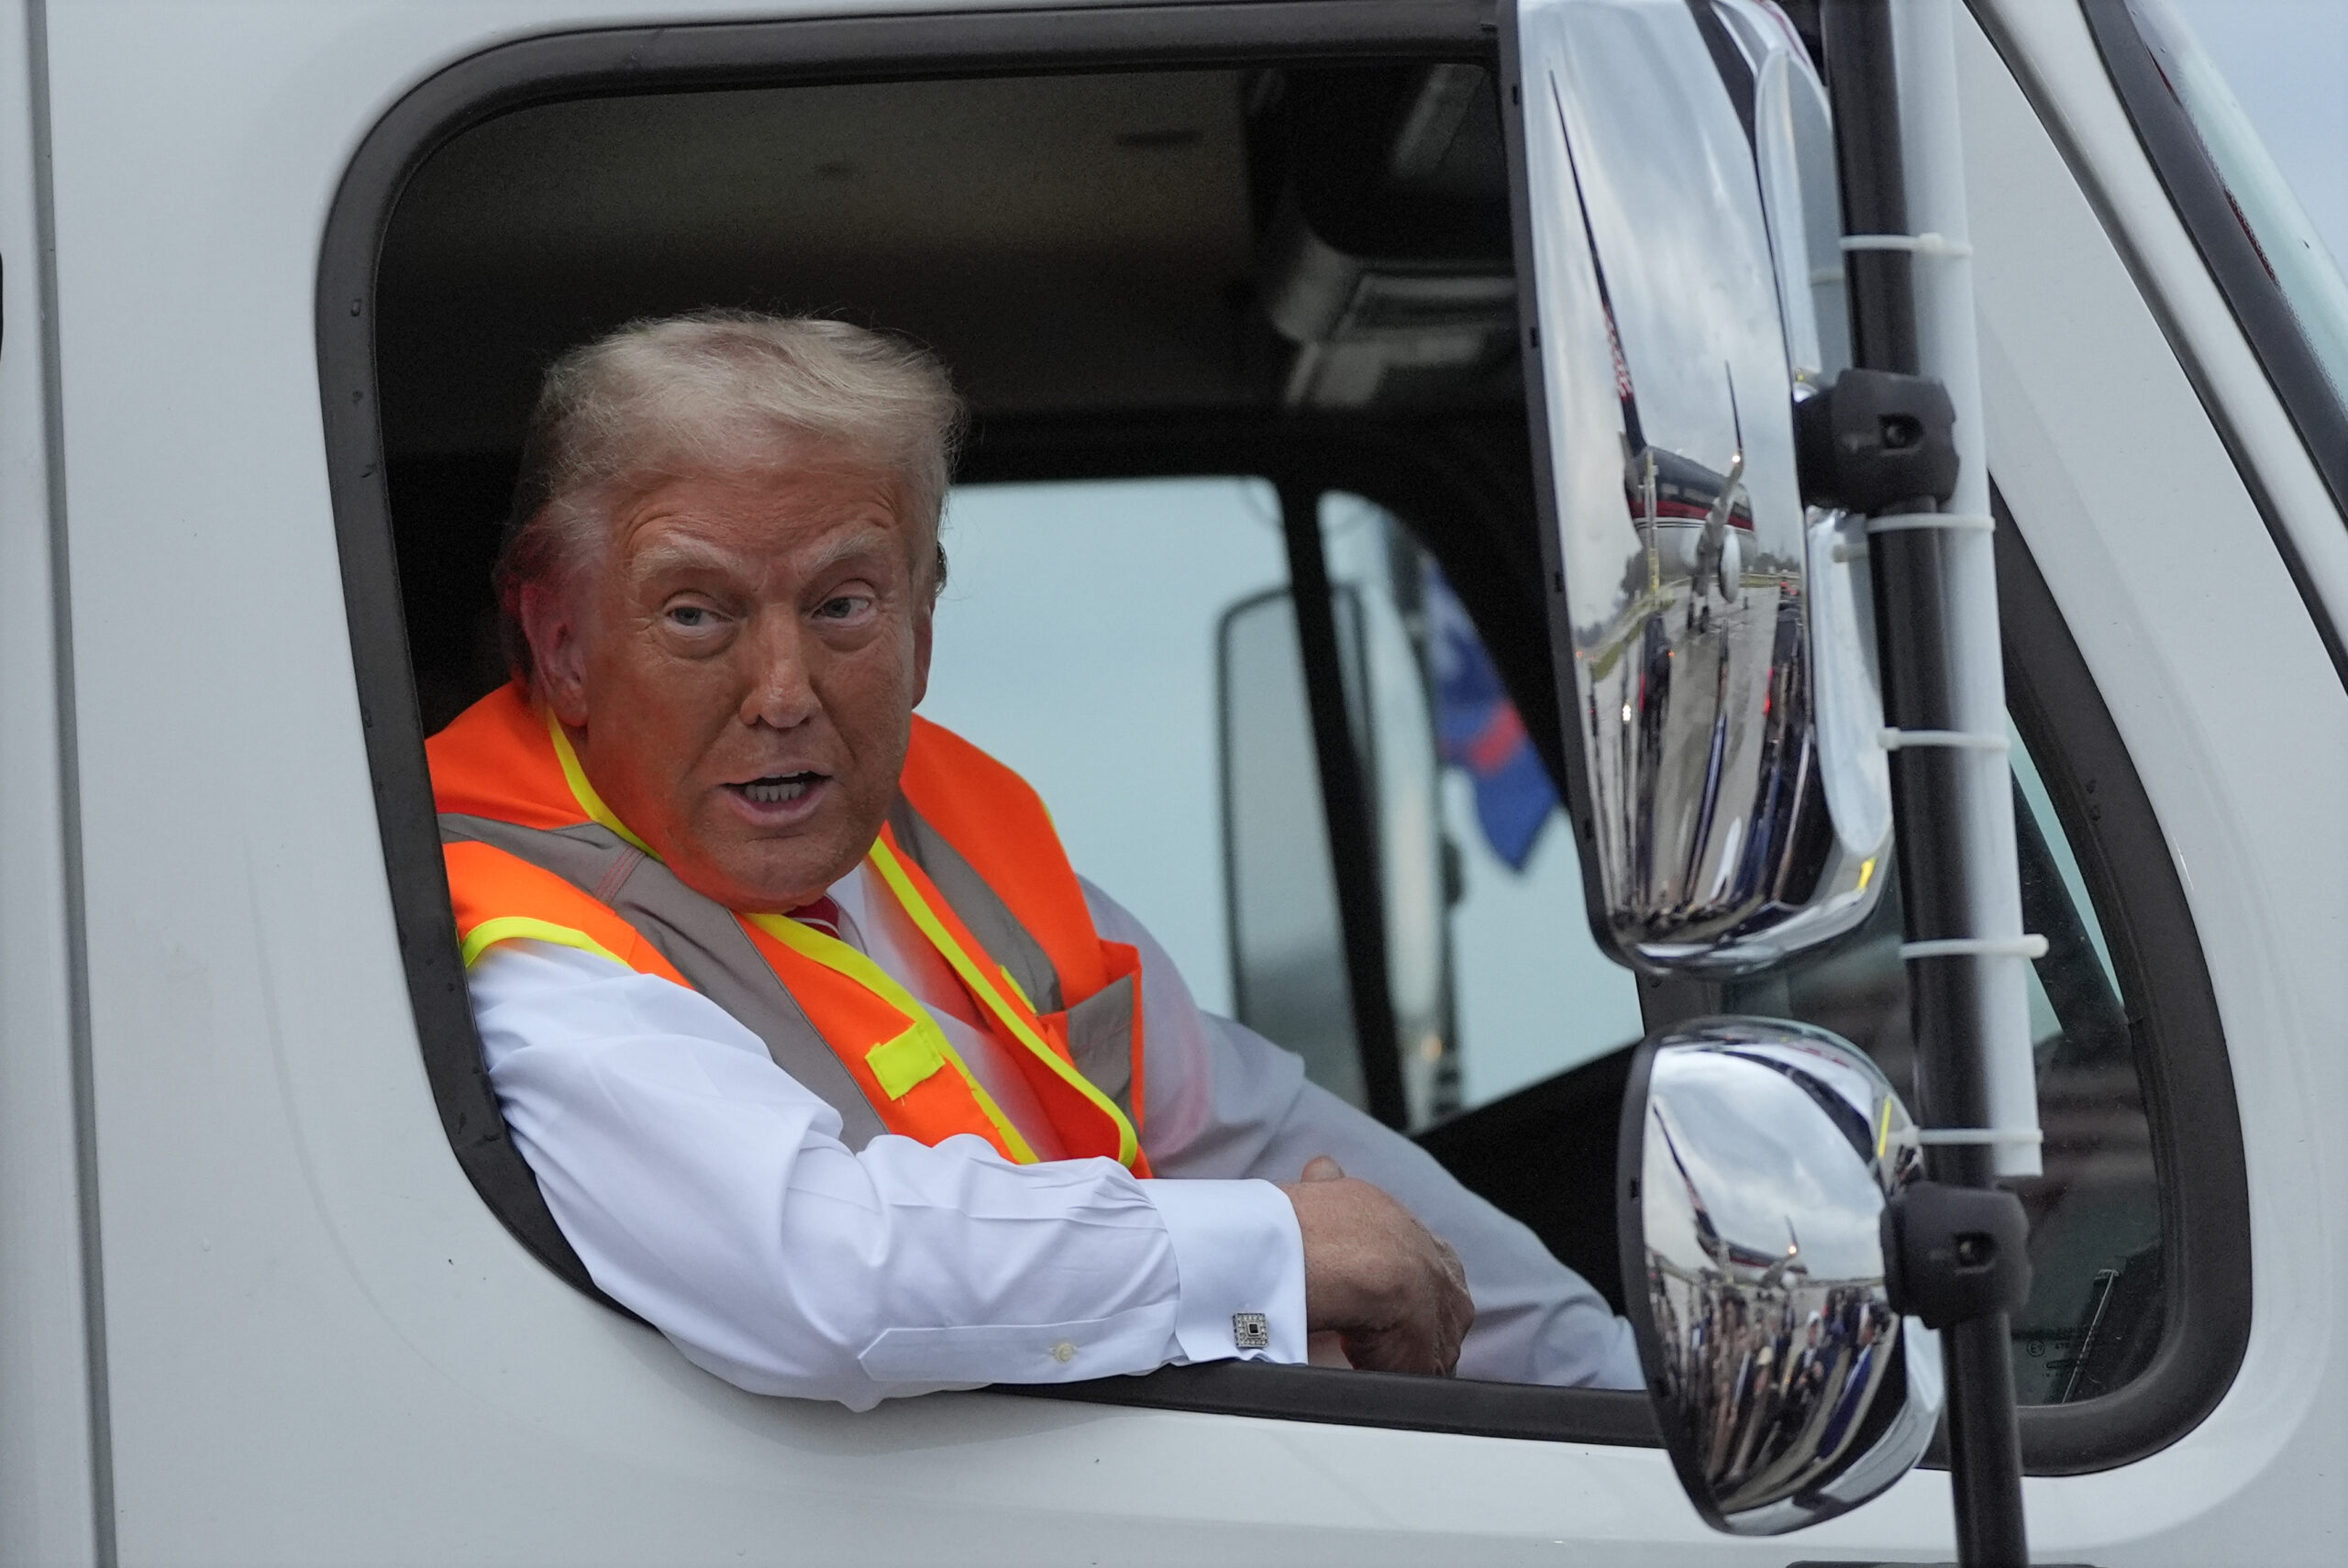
(967, 850)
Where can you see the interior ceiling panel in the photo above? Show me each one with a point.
(1071, 242)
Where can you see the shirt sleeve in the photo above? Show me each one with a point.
(1225, 1102)
(709, 1192)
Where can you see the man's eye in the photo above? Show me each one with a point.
(693, 617)
(840, 607)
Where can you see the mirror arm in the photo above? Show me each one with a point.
(1950, 1005)
(1345, 804)
(1953, 1255)
(1876, 441)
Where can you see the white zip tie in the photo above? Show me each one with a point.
(1976, 947)
(1956, 521)
(1894, 740)
(1920, 244)
(1906, 522)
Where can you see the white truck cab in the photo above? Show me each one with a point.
(1256, 575)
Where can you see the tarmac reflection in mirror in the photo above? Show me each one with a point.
(1758, 1156)
(1727, 836)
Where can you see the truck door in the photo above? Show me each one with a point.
(1234, 289)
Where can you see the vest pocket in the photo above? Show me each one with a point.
(905, 1061)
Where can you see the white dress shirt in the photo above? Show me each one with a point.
(709, 1192)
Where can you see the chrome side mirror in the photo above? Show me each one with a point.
(1720, 678)
(1759, 1158)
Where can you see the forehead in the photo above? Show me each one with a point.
(804, 512)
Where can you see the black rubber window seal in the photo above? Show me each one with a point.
(2181, 1050)
(2220, 231)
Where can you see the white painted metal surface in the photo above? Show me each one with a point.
(2214, 675)
(319, 1346)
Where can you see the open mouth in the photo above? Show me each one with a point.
(779, 789)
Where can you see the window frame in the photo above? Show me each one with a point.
(630, 60)
(2204, 1186)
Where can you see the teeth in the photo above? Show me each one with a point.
(774, 794)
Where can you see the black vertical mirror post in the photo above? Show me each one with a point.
(1908, 564)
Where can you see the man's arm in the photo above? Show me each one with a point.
(709, 1192)
(1225, 1102)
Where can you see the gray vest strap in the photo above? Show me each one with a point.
(1099, 1028)
(1100, 1042)
(982, 910)
(697, 934)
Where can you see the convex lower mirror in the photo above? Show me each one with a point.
(1758, 1157)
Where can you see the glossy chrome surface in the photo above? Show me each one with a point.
(1787, 1388)
(1741, 808)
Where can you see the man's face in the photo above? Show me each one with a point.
(738, 671)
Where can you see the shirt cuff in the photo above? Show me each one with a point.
(1240, 1259)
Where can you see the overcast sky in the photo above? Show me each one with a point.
(2287, 62)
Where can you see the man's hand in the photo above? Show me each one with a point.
(1390, 1289)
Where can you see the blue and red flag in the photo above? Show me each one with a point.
(1480, 732)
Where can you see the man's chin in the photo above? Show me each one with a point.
(766, 877)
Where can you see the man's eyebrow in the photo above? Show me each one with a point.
(678, 555)
(868, 540)
(688, 554)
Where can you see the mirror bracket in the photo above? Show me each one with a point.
(1954, 1253)
(1874, 439)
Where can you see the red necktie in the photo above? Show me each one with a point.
(823, 913)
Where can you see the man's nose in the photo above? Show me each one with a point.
(780, 693)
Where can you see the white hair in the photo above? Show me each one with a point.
(716, 392)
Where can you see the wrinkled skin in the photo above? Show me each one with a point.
(1389, 1291)
(770, 629)
(761, 631)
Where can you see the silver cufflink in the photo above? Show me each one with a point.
(1251, 1331)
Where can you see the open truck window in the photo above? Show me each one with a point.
(1231, 325)
(1239, 317)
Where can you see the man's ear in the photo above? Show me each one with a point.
(924, 621)
(557, 651)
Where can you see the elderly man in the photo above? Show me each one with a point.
(829, 1064)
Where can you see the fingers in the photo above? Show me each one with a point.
(1458, 1309)
(1426, 1341)
(1392, 1290)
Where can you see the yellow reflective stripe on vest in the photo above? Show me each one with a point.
(511, 928)
(583, 791)
(885, 862)
(912, 1056)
